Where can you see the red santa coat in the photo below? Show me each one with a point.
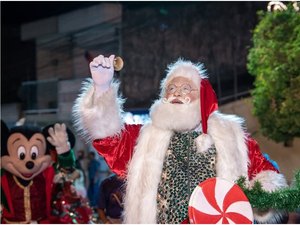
(118, 151)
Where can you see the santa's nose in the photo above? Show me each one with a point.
(29, 165)
(177, 93)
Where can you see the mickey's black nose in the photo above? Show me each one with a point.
(30, 165)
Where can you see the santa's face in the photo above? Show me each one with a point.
(179, 109)
(181, 90)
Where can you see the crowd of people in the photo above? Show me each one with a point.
(102, 188)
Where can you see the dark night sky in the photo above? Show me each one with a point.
(16, 12)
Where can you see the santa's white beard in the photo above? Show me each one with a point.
(175, 117)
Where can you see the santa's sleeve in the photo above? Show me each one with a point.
(258, 162)
(96, 117)
(117, 150)
(262, 170)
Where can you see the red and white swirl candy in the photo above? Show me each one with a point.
(217, 200)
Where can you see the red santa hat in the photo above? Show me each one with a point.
(208, 98)
(208, 102)
(208, 105)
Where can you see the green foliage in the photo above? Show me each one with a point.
(286, 198)
(274, 60)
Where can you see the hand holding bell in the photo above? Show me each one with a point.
(102, 70)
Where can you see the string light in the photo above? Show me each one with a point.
(279, 6)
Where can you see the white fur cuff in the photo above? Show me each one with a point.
(270, 180)
(97, 116)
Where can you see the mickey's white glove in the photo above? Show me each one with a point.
(102, 70)
(59, 138)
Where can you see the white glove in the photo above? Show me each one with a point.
(102, 71)
(59, 138)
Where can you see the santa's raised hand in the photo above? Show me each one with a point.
(102, 70)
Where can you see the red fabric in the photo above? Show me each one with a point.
(209, 102)
(37, 199)
(5, 187)
(40, 192)
(258, 162)
(185, 221)
(49, 174)
(118, 150)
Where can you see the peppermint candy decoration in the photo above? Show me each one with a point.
(219, 201)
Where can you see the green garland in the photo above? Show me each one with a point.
(286, 198)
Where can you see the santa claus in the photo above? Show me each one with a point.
(187, 141)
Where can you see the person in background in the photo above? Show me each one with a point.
(79, 183)
(110, 204)
(82, 162)
(93, 176)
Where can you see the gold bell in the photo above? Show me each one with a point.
(118, 63)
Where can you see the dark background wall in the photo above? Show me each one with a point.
(217, 34)
(18, 57)
(153, 34)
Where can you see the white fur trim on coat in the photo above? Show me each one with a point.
(97, 117)
(144, 173)
(228, 135)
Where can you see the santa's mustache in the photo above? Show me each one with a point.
(185, 100)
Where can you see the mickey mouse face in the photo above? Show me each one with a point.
(26, 158)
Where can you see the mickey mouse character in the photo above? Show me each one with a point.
(27, 172)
